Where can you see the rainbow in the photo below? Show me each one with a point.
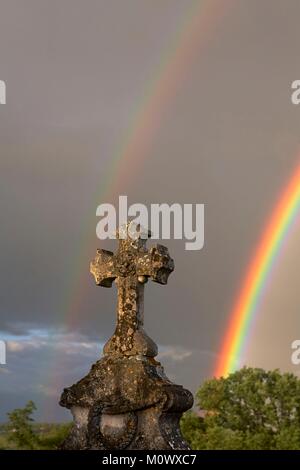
(195, 31)
(258, 273)
(193, 34)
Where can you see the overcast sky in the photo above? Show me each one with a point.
(76, 73)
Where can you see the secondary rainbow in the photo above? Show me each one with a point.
(196, 28)
(262, 263)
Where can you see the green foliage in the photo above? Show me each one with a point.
(250, 409)
(20, 427)
(193, 429)
(22, 433)
(52, 435)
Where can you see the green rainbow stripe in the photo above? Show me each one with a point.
(258, 274)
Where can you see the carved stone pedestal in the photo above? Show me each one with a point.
(126, 401)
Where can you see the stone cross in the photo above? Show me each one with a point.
(131, 267)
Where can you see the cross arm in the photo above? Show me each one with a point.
(102, 268)
(156, 263)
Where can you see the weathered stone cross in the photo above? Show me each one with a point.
(131, 267)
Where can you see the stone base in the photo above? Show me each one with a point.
(126, 403)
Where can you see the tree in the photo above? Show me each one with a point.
(20, 427)
(250, 409)
(53, 435)
(193, 430)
